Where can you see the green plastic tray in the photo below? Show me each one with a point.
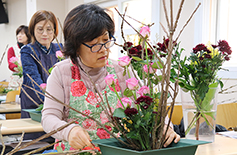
(35, 115)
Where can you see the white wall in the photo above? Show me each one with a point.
(17, 17)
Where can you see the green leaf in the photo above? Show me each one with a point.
(127, 92)
(206, 104)
(59, 149)
(154, 65)
(40, 107)
(119, 112)
(137, 58)
(124, 72)
(50, 70)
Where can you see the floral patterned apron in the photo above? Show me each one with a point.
(86, 101)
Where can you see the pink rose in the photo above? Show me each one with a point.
(13, 59)
(151, 70)
(89, 124)
(43, 86)
(126, 101)
(109, 79)
(59, 54)
(103, 117)
(145, 31)
(132, 83)
(124, 61)
(143, 90)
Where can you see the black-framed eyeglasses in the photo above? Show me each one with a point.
(97, 47)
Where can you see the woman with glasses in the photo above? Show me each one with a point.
(37, 58)
(88, 35)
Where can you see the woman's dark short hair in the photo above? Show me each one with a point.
(38, 17)
(83, 24)
(25, 30)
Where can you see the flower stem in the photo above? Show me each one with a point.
(113, 86)
(128, 72)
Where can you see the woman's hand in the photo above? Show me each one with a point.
(170, 136)
(79, 138)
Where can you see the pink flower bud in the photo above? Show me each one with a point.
(124, 61)
(59, 54)
(13, 59)
(132, 83)
(43, 85)
(143, 90)
(145, 31)
(109, 79)
(151, 70)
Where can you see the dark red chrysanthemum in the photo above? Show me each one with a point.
(145, 99)
(127, 45)
(130, 111)
(207, 56)
(199, 47)
(139, 47)
(201, 58)
(227, 58)
(224, 47)
(133, 51)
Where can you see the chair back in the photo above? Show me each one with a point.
(11, 95)
(177, 114)
(227, 115)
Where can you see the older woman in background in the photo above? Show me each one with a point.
(37, 58)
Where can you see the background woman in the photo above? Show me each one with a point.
(88, 34)
(23, 38)
(37, 58)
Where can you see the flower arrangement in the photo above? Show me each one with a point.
(198, 75)
(18, 69)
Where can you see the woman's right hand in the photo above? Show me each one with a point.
(79, 138)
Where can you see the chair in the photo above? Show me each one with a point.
(227, 115)
(177, 114)
(4, 84)
(11, 97)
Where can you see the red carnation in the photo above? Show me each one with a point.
(145, 99)
(130, 111)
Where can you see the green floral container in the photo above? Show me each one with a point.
(34, 115)
(184, 146)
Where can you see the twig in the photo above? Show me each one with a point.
(23, 133)
(178, 14)
(39, 62)
(222, 91)
(42, 148)
(28, 94)
(166, 15)
(187, 21)
(3, 54)
(40, 138)
(3, 145)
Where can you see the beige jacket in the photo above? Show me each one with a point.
(54, 114)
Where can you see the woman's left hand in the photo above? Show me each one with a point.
(170, 136)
